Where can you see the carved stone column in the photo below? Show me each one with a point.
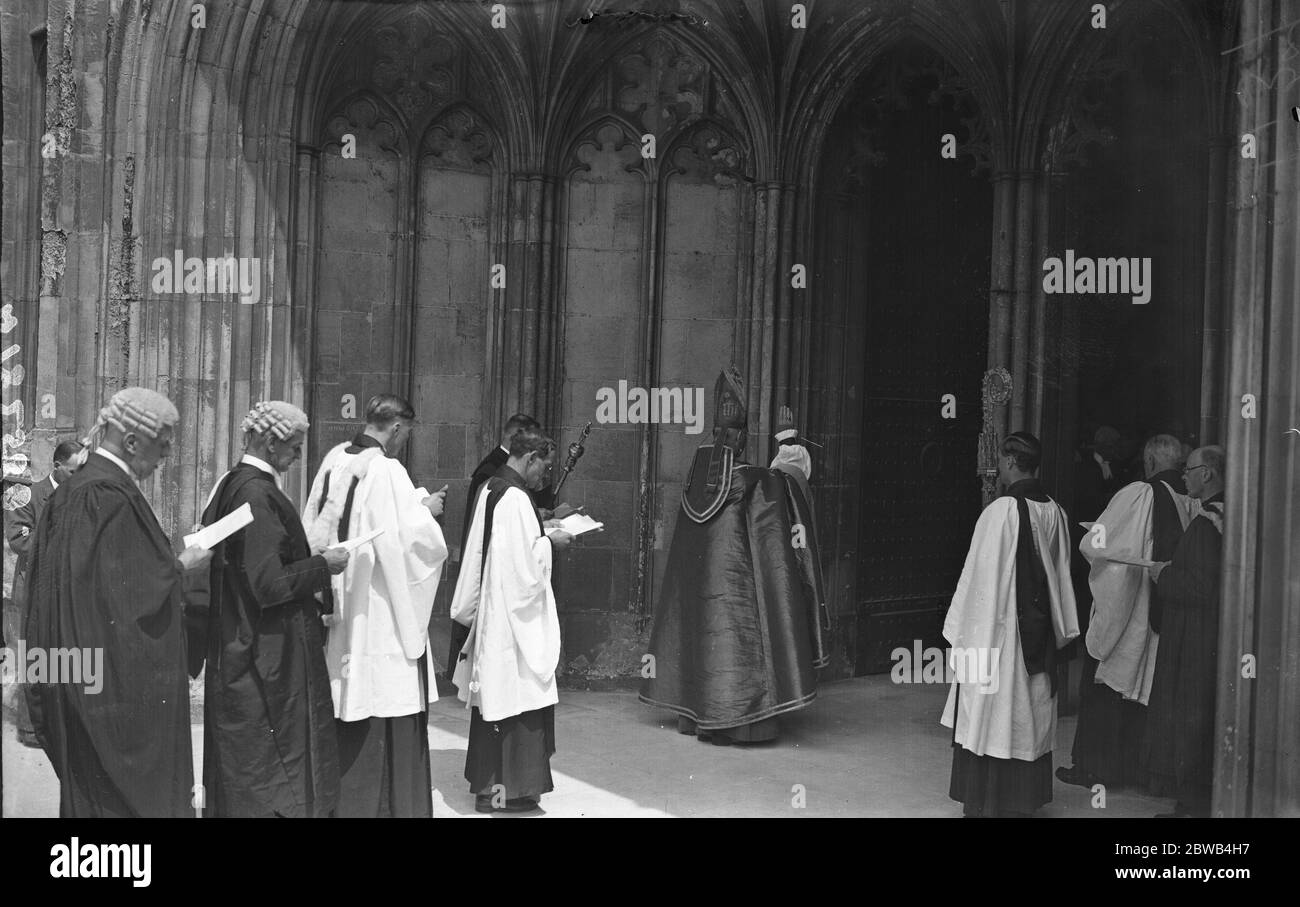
(1257, 733)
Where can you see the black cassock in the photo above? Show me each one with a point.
(270, 746)
(103, 575)
(737, 637)
(1178, 749)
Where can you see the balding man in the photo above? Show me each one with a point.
(1144, 520)
(105, 583)
(1178, 753)
(270, 747)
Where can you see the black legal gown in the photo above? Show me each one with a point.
(270, 747)
(1178, 750)
(103, 575)
(737, 637)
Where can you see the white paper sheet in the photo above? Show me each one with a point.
(210, 536)
(576, 524)
(354, 544)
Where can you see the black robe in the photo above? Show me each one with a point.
(737, 637)
(1178, 752)
(103, 575)
(269, 739)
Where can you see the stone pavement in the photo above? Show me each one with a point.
(866, 747)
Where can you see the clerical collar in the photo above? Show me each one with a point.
(361, 441)
(505, 450)
(114, 458)
(1030, 488)
(262, 465)
(511, 475)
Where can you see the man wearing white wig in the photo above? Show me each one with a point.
(269, 740)
(378, 646)
(104, 579)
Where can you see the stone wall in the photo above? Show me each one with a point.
(477, 146)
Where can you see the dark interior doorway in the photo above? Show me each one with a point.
(905, 240)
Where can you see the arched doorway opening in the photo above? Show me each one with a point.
(903, 239)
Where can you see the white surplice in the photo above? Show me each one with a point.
(1119, 636)
(1013, 716)
(383, 599)
(513, 648)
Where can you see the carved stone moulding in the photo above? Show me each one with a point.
(606, 150)
(709, 153)
(364, 112)
(460, 140)
(660, 86)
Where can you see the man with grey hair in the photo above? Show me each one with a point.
(269, 747)
(1178, 751)
(105, 580)
(1143, 521)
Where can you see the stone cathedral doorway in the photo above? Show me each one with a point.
(905, 243)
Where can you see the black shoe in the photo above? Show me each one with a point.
(29, 740)
(1077, 776)
(483, 804)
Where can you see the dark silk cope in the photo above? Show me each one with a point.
(738, 633)
(269, 740)
(104, 576)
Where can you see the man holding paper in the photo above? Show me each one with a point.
(104, 578)
(1144, 521)
(1178, 749)
(377, 651)
(270, 747)
(506, 674)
